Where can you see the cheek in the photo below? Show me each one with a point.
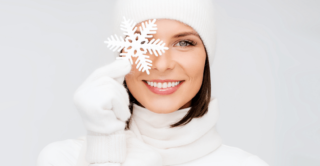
(131, 77)
(192, 63)
(134, 82)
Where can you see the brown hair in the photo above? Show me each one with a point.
(199, 103)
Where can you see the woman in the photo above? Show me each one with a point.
(166, 117)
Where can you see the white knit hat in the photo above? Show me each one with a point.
(199, 14)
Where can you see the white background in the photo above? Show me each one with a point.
(266, 74)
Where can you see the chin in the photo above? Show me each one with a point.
(162, 107)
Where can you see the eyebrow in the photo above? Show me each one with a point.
(182, 34)
(186, 34)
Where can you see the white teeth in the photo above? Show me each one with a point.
(163, 85)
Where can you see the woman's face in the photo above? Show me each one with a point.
(183, 62)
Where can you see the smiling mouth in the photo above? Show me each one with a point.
(163, 87)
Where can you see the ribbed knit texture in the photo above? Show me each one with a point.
(106, 148)
(106, 164)
(181, 144)
(199, 14)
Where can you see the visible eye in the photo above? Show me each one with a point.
(185, 43)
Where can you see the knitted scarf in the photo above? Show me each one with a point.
(151, 141)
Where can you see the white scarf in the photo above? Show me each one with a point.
(179, 144)
(176, 145)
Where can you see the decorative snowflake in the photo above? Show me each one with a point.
(137, 45)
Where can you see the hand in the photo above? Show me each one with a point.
(102, 100)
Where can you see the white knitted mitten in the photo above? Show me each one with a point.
(102, 102)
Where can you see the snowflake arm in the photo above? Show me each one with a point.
(148, 28)
(144, 63)
(128, 27)
(156, 46)
(116, 43)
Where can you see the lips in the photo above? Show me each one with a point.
(163, 87)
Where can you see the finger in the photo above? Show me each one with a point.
(111, 99)
(120, 67)
(120, 108)
(113, 86)
(117, 70)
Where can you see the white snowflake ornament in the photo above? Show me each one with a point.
(137, 45)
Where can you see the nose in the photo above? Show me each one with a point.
(162, 63)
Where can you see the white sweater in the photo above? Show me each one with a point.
(196, 143)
